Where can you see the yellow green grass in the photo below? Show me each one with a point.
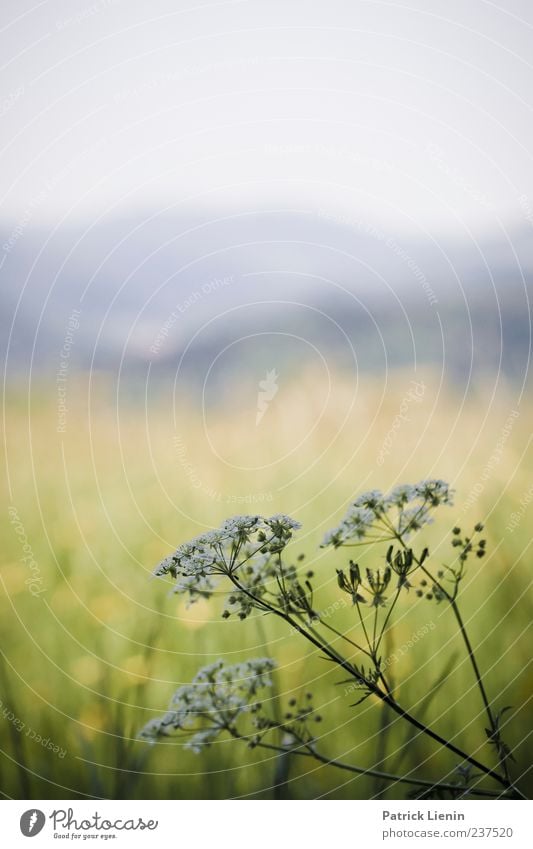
(98, 648)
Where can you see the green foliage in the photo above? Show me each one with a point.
(97, 653)
(249, 553)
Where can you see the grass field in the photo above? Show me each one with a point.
(92, 648)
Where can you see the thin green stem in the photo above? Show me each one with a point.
(276, 700)
(373, 688)
(479, 679)
(388, 616)
(310, 752)
(249, 556)
(388, 699)
(469, 649)
(365, 632)
(313, 638)
(375, 630)
(344, 637)
(368, 540)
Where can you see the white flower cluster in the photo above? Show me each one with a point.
(406, 508)
(224, 550)
(213, 702)
(257, 577)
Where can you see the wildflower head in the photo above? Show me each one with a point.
(469, 544)
(378, 582)
(403, 563)
(350, 583)
(405, 509)
(213, 702)
(240, 540)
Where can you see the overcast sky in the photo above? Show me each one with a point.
(410, 114)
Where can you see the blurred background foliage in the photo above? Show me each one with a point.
(193, 199)
(101, 648)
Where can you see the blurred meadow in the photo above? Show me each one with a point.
(93, 648)
(257, 258)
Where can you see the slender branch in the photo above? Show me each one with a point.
(249, 556)
(276, 700)
(473, 661)
(311, 752)
(479, 679)
(324, 647)
(344, 637)
(387, 776)
(469, 649)
(385, 725)
(385, 683)
(365, 632)
(373, 688)
(368, 539)
(443, 742)
(374, 630)
(388, 616)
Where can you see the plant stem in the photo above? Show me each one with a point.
(344, 637)
(375, 631)
(365, 632)
(479, 679)
(388, 616)
(470, 651)
(375, 773)
(389, 700)
(373, 688)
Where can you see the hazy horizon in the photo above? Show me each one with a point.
(416, 118)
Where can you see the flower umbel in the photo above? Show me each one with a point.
(376, 517)
(218, 695)
(248, 552)
(224, 551)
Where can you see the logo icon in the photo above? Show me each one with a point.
(32, 822)
(268, 388)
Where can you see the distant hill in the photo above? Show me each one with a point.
(165, 291)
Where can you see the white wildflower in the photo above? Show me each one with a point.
(241, 543)
(401, 495)
(213, 701)
(406, 507)
(356, 523)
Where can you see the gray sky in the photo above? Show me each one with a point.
(415, 114)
